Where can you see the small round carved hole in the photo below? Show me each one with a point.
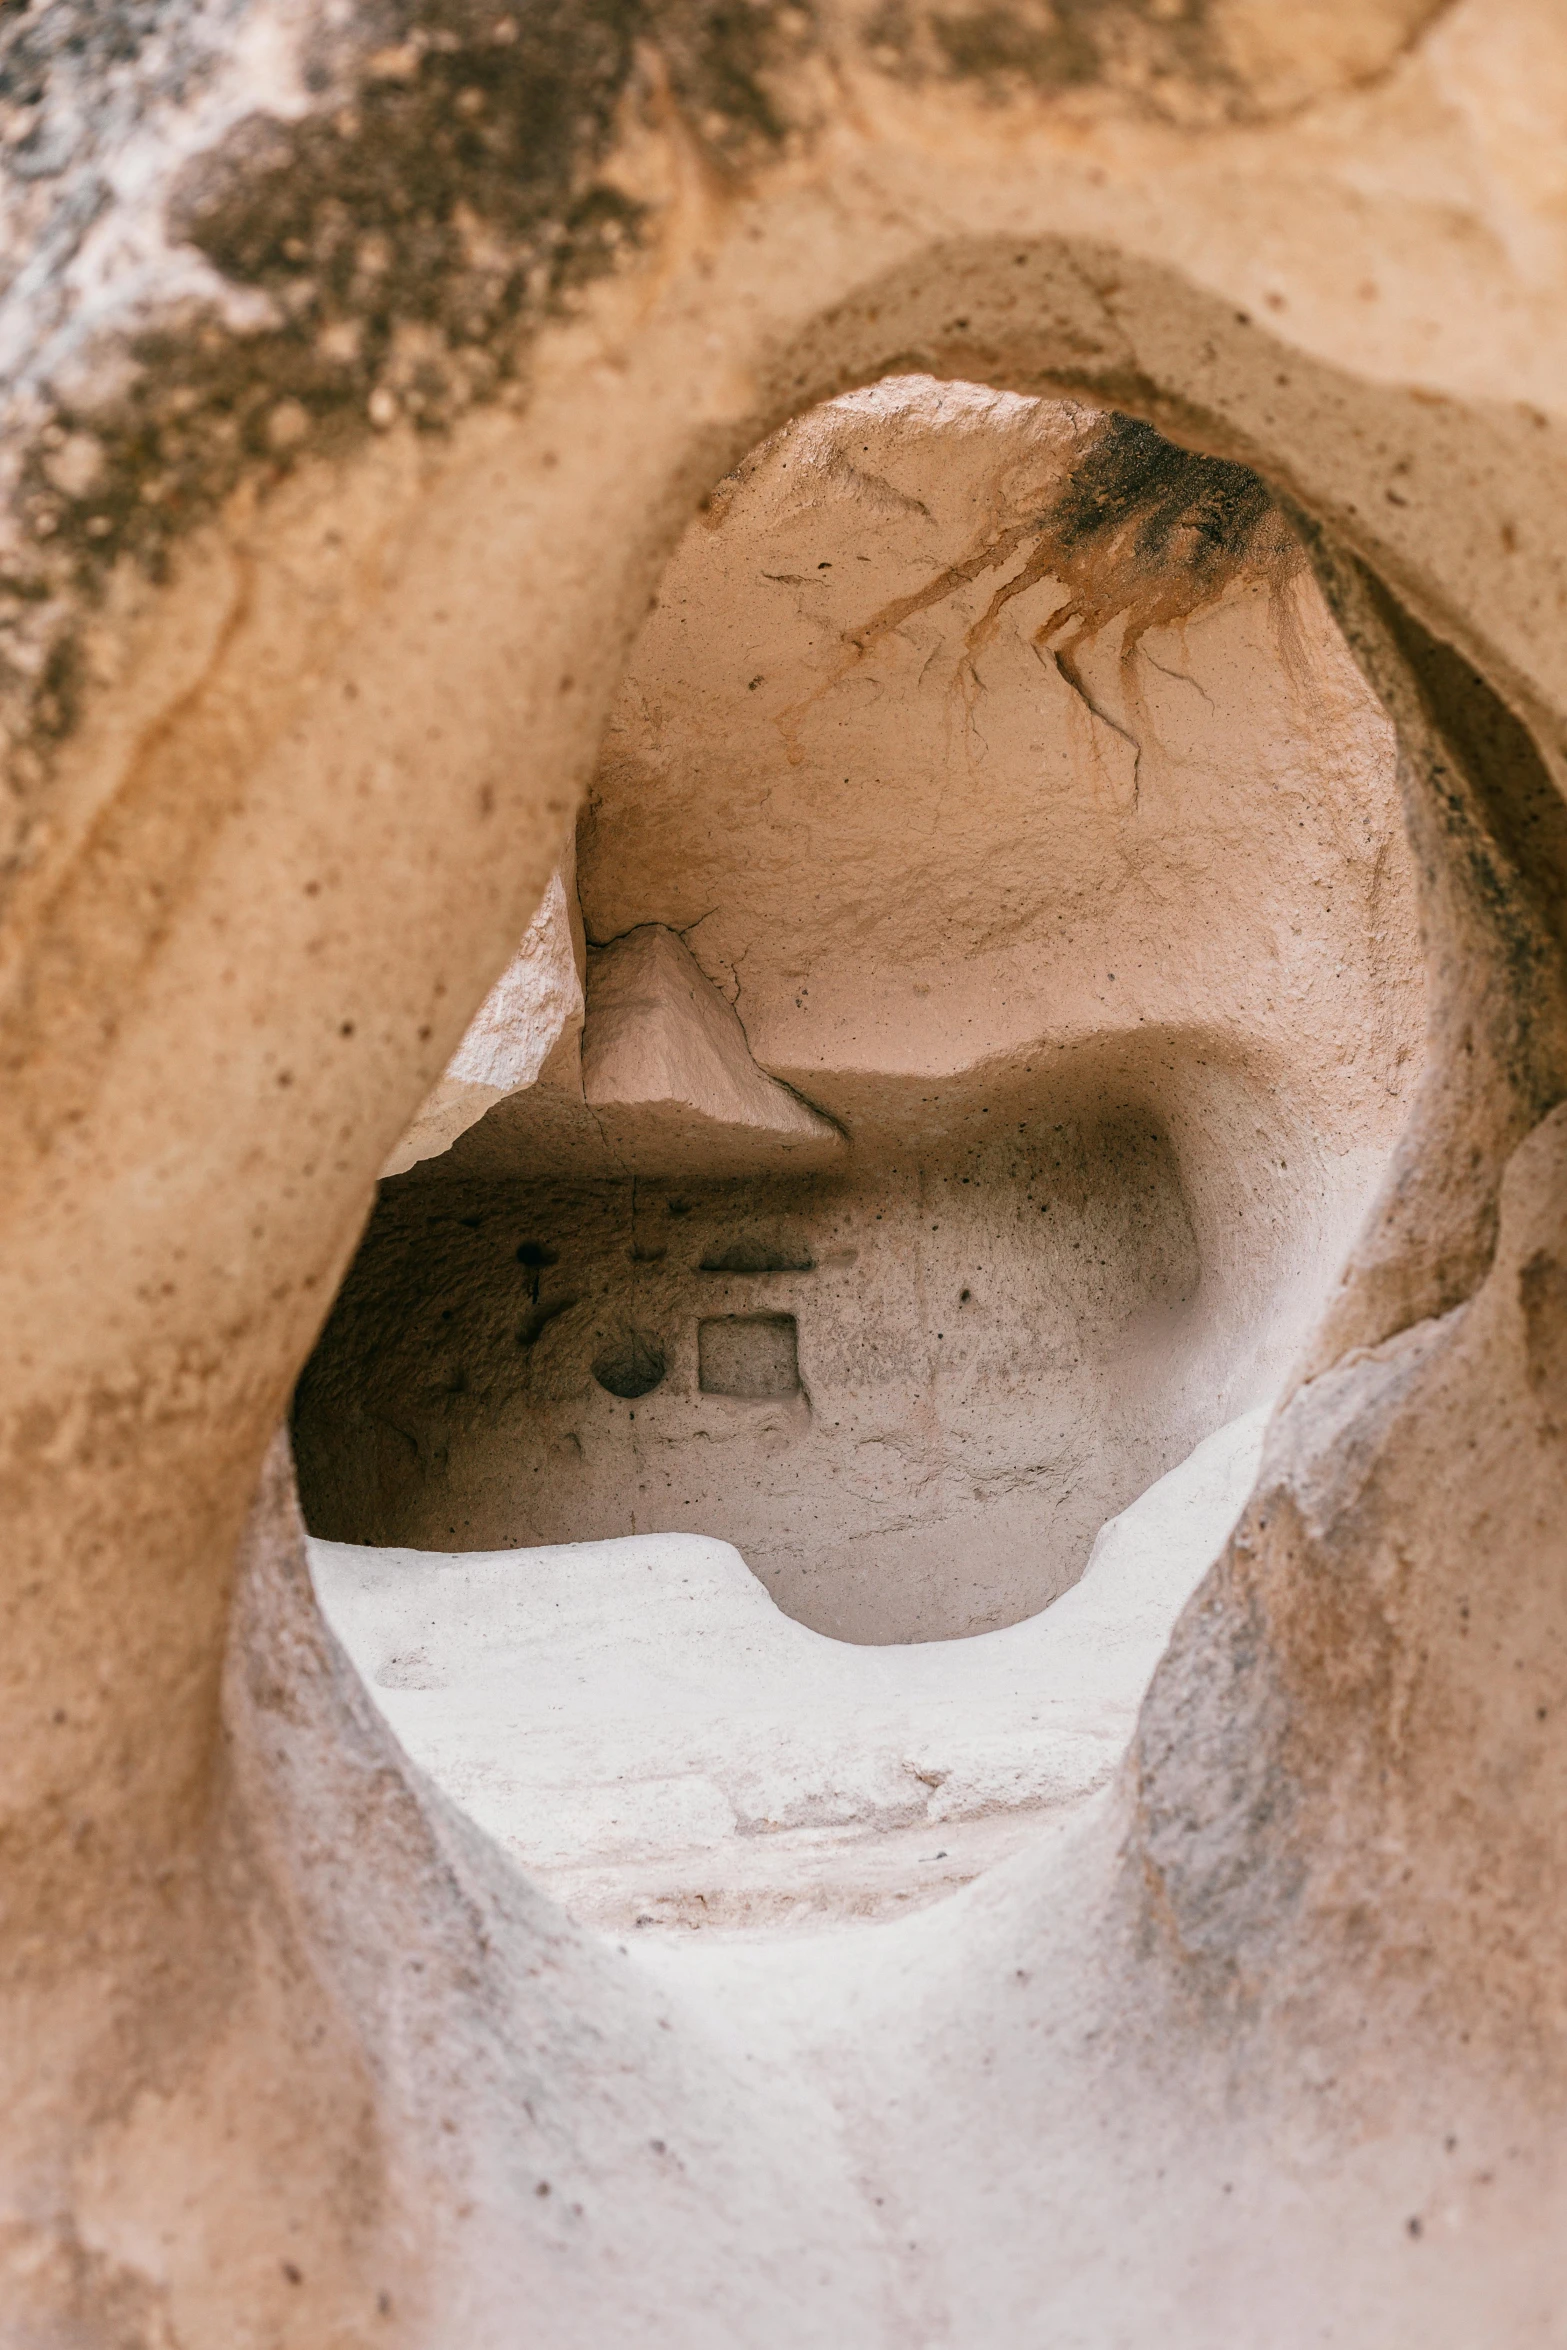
(632, 1366)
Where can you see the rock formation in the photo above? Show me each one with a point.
(669, 1077)
(364, 370)
(1091, 925)
(527, 1031)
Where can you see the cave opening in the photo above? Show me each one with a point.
(954, 1055)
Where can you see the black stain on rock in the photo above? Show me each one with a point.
(1164, 507)
(1542, 1295)
(1173, 60)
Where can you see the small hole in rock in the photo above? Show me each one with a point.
(633, 1366)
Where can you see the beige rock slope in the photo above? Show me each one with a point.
(362, 371)
(1091, 927)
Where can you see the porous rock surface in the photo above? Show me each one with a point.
(362, 371)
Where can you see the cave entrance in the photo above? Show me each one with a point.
(943, 1082)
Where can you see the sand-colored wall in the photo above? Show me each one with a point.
(345, 442)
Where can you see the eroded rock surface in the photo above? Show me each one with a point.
(362, 373)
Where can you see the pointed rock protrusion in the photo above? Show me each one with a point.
(669, 1076)
(526, 1032)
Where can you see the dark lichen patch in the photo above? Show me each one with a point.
(404, 236)
(1166, 57)
(998, 44)
(730, 64)
(441, 191)
(407, 236)
(1179, 60)
(60, 690)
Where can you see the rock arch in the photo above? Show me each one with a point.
(271, 847)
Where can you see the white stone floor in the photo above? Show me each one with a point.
(666, 1752)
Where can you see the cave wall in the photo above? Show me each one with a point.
(912, 1419)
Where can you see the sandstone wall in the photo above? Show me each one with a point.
(362, 372)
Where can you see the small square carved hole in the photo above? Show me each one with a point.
(753, 1355)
